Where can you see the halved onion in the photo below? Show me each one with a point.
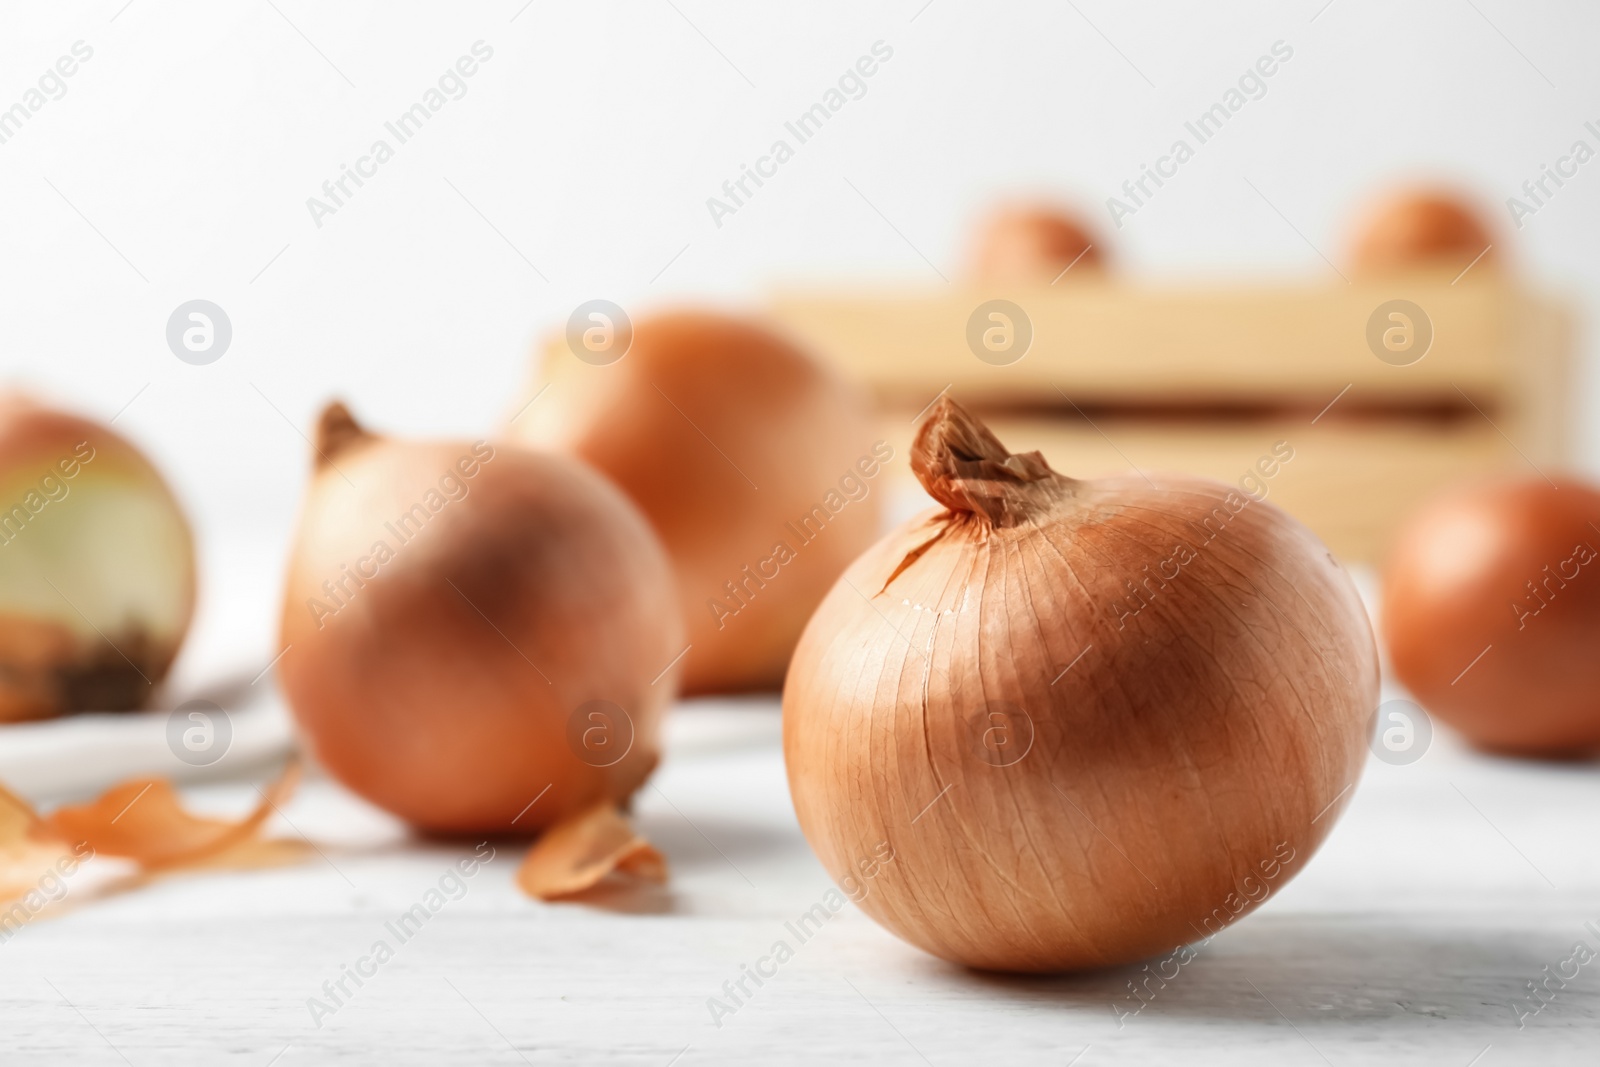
(97, 572)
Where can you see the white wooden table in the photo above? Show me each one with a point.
(1448, 885)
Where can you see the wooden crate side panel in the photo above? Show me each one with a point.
(1106, 342)
(1351, 482)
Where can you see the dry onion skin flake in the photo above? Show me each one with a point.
(28, 850)
(1090, 720)
(142, 821)
(583, 851)
(479, 639)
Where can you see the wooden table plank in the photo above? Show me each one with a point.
(1406, 941)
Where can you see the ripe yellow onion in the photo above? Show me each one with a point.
(1491, 613)
(97, 572)
(478, 638)
(1422, 228)
(1089, 720)
(1033, 244)
(754, 463)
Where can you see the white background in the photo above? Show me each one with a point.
(585, 151)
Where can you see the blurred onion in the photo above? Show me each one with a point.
(97, 570)
(756, 465)
(1491, 614)
(460, 621)
(1032, 245)
(1422, 228)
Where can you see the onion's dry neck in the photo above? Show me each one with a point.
(337, 430)
(964, 466)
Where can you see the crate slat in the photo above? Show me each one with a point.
(1108, 342)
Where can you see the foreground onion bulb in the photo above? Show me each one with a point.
(1422, 228)
(756, 465)
(469, 625)
(1491, 614)
(1086, 721)
(1030, 244)
(97, 573)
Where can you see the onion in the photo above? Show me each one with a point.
(1421, 228)
(1491, 614)
(468, 628)
(1087, 720)
(1029, 244)
(754, 463)
(97, 572)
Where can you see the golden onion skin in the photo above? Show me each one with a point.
(444, 688)
(1151, 774)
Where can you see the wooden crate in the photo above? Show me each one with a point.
(1207, 380)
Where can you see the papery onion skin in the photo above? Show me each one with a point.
(1031, 245)
(1419, 228)
(1179, 769)
(444, 688)
(1491, 614)
(724, 434)
(97, 567)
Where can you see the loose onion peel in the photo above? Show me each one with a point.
(580, 853)
(142, 821)
(27, 847)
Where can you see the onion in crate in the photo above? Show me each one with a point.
(1422, 228)
(1033, 245)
